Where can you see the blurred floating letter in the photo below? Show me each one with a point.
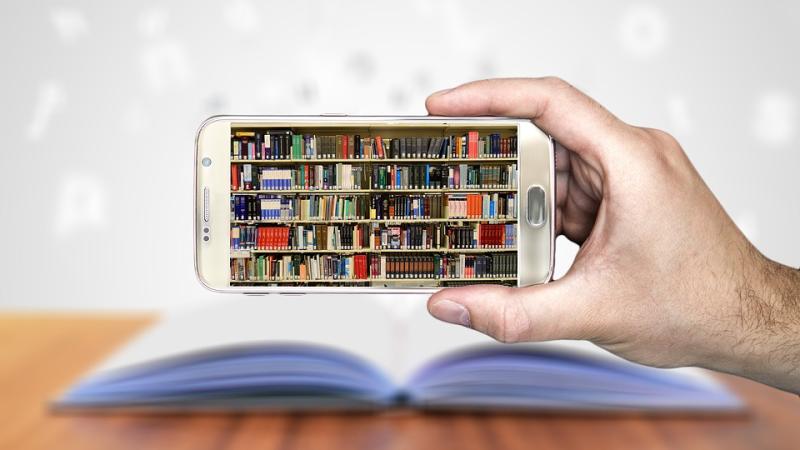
(51, 97)
(775, 118)
(643, 30)
(70, 24)
(165, 65)
(81, 205)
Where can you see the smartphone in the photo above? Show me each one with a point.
(301, 204)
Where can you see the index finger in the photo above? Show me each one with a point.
(567, 114)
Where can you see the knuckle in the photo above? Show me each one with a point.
(663, 146)
(662, 138)
(556, 82)
(512, 324)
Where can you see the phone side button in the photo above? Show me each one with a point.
(537, 206)
(206, 205)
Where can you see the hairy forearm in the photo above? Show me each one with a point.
(764, 339)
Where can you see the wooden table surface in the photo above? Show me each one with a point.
(41, 354)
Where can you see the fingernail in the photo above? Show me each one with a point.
(442, 92)
(452, 312)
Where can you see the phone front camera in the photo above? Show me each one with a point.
(206, 162)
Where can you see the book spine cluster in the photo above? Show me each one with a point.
(482, 235)
(300, 237)
(372, 267)
(313, 207)
(380, 207)
(283, 145)
(246, 177)
(449, 266)
(372, 236)
(300, 268)
(481, 206)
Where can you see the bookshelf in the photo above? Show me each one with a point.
(320, 206)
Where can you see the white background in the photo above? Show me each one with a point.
(100, 102)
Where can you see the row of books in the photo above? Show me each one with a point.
(373, 236)
(372, 267)
(378, 176)
(378, 206)
(284, 145)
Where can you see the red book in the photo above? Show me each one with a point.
(234, 177)
(286, 237)
(345, 140)
(379, 146)
(472, 144)
(361, 266)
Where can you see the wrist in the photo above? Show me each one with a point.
(760, 337)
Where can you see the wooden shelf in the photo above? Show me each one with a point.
(373, 280)
(372, 160)
(369, 191)
(248, 253)
(397, 221)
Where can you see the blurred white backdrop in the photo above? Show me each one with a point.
(101, 100)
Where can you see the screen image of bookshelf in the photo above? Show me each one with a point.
(400, 208)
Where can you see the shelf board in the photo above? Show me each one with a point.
(397, 221)
(369, 191)
(373, 280)
(248, 253)
(371, 160)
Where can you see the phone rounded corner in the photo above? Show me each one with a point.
(203, 282)
(205, 125)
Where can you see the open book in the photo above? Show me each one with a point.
(331, 352)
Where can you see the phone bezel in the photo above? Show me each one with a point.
(213, 140)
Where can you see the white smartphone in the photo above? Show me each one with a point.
(300, 204)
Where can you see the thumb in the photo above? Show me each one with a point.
(544, 312)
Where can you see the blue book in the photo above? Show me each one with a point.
(427, 175)
(288, 360)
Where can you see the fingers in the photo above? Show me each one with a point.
(545, 312)
(570, 116)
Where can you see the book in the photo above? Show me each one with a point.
(247, 355)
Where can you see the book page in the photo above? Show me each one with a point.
(357, 324)
(427, 339)
(395, 333)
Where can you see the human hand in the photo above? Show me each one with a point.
(663, 275)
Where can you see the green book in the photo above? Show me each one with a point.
(297, 146)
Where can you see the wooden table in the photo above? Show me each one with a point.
(41, 354)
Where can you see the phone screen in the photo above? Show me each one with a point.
(373, 206)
